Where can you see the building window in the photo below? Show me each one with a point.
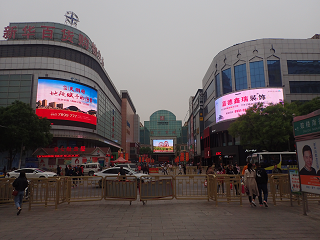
(240, 77)
(303, 67)
(210, 120)
(274, 73)
(257, 74)
(226, 81)
(208, 107)
(305, 87)
(208, 92)
(218, 85)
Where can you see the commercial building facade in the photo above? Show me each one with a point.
(59, 71)
(163, 128)
(246, 73)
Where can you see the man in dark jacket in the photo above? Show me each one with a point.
(20, 184)
(262, 182)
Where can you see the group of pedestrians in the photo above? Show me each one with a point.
(256, 184)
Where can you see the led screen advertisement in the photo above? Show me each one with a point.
(235, 104)
(163, 146)
(67, 103)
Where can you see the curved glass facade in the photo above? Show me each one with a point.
(208, 92)
(226, 81)
(218, 89)
(274, 72)
(240, 76)
(257, 74)
(163, 123)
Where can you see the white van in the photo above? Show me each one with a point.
(91, 168)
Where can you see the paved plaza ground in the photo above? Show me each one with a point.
(174, 219)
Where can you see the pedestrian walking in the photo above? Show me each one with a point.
(262, 182)
(251, 184)
(20, 184)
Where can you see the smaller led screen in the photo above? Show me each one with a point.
(235, 104)
(67, 103)
(163, 146)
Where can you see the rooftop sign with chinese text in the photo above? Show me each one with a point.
(51, 31)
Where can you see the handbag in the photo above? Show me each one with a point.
(14, 192)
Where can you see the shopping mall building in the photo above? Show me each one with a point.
(263, 70)
(165, 135)
(59, 71)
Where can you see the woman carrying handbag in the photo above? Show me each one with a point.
(20, 184)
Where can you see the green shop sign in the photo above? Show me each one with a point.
(307, 126)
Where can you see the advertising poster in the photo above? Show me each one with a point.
(235, 104)
(67, 103)
(308, 160)
(294, 179)
(163, 146)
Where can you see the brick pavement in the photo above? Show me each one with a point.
(175, 219)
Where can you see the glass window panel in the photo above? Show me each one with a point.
(240, 76)
(26, 77)
(226, 81)
(4, 77)
(208, 92)
(303, 67)
(274, 73)
(218, 85)
(25, 83)
(304, 87)
(15, 77)
(257, 74)
(15, 83)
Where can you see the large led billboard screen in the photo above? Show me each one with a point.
(163, 145)
(235, 104)
(67, 103)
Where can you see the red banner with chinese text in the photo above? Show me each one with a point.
(59, 114)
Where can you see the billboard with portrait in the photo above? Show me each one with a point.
(309, 168)
(163, 145)
(67, 103)
(235, 104)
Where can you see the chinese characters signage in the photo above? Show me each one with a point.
(51, 31)
(66, 101)
(306, 126)
(235, 104)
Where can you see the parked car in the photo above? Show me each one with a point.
(113, 172)
(132, 166)
(31, 173)
(91, 168)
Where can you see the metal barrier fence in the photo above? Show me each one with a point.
(157, 188)
(191, 187)
(6, 190)
(122, 188)
(218, 188)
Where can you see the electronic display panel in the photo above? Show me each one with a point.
(163, 145)
(235, 104)
(67, 103)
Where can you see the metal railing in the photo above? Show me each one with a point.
(217, 188)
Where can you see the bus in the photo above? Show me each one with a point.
(269, 159)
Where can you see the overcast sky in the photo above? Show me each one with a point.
(160, 50)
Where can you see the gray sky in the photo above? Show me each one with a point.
(160, 50)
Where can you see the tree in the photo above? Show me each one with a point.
(267, 128)
(145, 150)
(308, 107)
(21, 129)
